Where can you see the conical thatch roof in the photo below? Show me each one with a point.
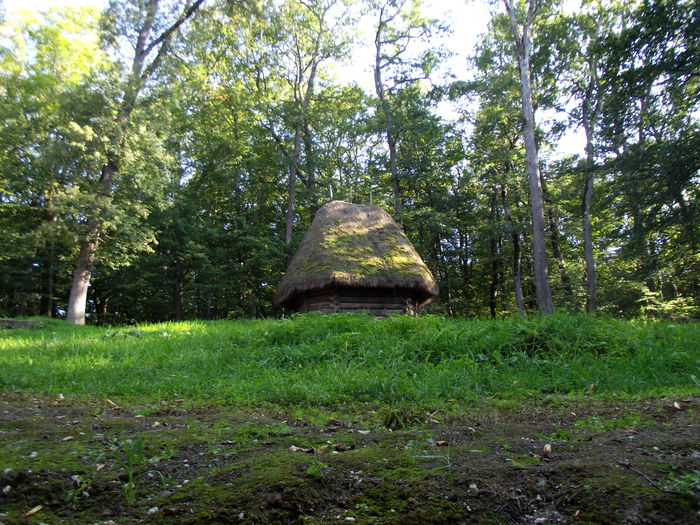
(349, 245)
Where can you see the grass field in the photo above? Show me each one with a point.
(326, 360)
(565, 419)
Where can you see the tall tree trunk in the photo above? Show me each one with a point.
(49, 275)
(310, 167)
(303, 101)
(389, 127)
(529, 291)
(26, 288)
(515, 237)
(77, 300)
(179, 291)
(493, 288)
(495, 249)
(291, 201)
(398, 196)
(592, 103)
(102, 306)
(591, 276)
(639, 223)
(524, 49)
(46, 305)
(81, 280)
(688, 219)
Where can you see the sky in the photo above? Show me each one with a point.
(468, 20)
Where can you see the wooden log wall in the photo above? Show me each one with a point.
(377, 302)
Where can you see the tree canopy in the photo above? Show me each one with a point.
(165, 158)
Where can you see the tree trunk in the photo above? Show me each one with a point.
(81, 280)
(493, 288)
(310, 168)
(544, 293)
(388, 117)
(591, 277)
(49, 275)
(303, 102)
(77, 300)
(102, 307)
(48, 278)
(591, 106)
(179, 291)
(524, 49)
(515, 237)
(391, 140)
(494, 246)
(291, 201)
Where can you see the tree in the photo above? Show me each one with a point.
(400, 24)
(496, 150)
(591, 102)
(522, 37)
(151, 34)
(571, 52)
(310, 44)
(649, 135)
(47, 142)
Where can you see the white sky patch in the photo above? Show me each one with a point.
(38, 5)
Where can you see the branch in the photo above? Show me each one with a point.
(168, 32)
(139, 53)
(626, 464)
(514, 26)
(280, 145)
(533, 8)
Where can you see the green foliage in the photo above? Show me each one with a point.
(80, 489)
(194, 226)
(686, 483)
(628, 421)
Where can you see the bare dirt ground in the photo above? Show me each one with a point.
(554, 461)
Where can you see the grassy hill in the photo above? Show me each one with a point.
(345, 418)
(325, 360)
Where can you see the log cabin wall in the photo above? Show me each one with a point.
(376, 301)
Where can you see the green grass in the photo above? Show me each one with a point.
(317, 360)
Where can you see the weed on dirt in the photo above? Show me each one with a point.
(69, 461)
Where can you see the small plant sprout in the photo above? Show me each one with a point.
(80, 489)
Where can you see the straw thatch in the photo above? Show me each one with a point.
(354, 246)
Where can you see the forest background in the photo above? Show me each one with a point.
(168, 156)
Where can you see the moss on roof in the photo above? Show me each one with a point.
(352, 245)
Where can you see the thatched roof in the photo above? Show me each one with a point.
(349, 245)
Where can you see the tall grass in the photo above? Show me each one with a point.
(324, 360)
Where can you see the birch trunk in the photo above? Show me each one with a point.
(524, 49)
(591, 277)
(590, 111)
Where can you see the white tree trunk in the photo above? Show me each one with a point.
(524, 48)
(591, 278)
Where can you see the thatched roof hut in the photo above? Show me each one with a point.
(352, 258)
